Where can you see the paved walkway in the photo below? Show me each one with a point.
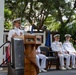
(60, 72)
(3, 73)
(52, 72)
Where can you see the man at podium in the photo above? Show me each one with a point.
(16, 31)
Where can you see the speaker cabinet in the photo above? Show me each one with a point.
(17, 54)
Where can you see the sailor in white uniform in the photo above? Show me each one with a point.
(16, 31)
(68, 46)
(39, 56)
(57, 46)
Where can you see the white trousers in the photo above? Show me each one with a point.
(73, 56)
(43, 61)
(61, 59)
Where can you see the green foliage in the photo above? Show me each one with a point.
(52, 24)
(7, 25)
(71, 28)
(8, 16)
(7, 13)
(38, 11)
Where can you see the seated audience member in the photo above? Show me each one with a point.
(68, 46)
(57, 46)
(39, 56)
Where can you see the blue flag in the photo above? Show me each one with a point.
(48, 40)
(32, 29)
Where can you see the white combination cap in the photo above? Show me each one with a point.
(57, 35)
(17, 19)
(67, 35)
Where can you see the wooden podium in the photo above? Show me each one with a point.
(30, 42)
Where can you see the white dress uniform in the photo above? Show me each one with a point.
(13, 31)
(43, 59)
(68, 46)
(57, 46)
